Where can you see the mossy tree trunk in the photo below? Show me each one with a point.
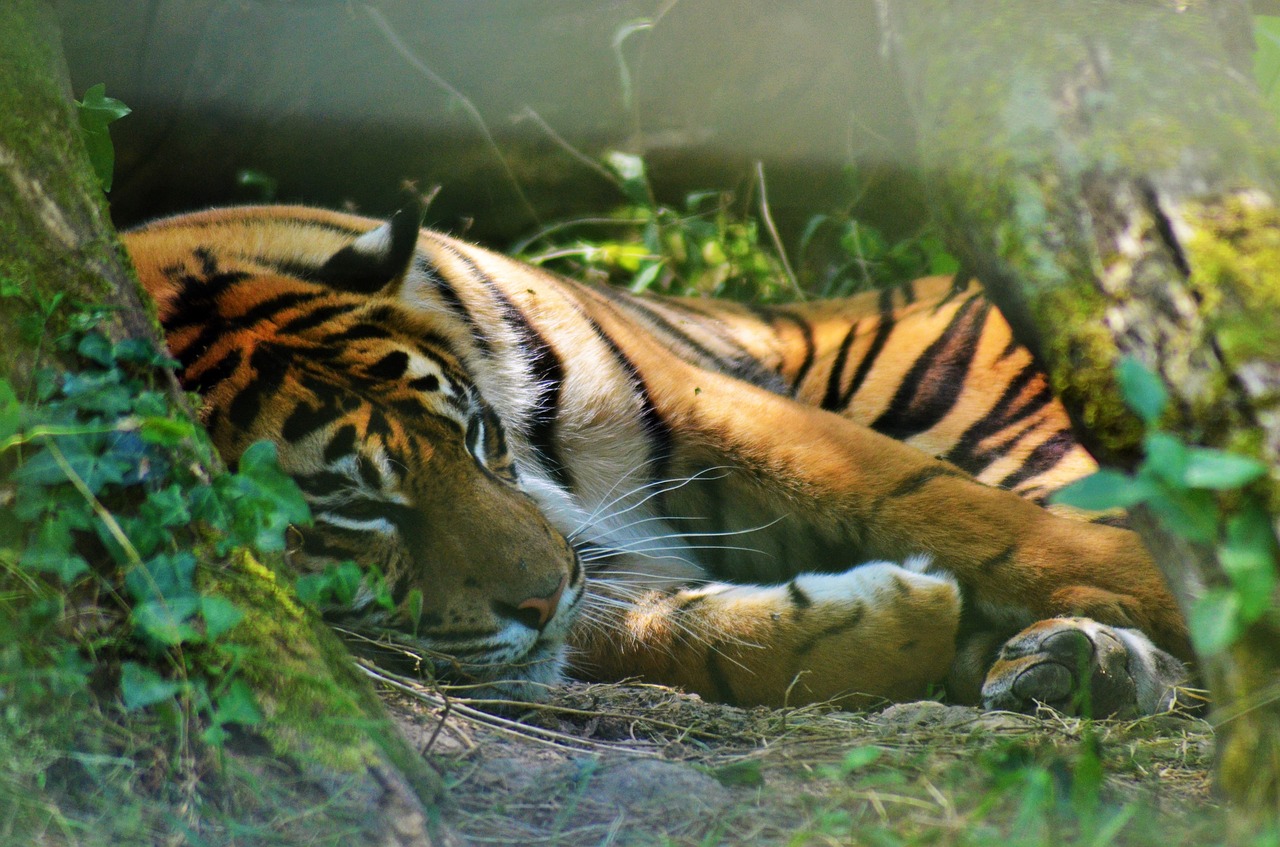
(326, 756)
(1107, 170)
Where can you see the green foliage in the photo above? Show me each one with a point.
(102, 480)
(1202, 495)
(97, 111)
(709, 247)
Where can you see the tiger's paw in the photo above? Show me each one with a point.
(1078, 666)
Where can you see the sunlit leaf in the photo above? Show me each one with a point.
(1142, 390)
(1105, 489)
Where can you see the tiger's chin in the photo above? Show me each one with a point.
(503, 687)
(496, 685)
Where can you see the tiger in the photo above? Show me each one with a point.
(821, 502)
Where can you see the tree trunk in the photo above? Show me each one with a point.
(322, 753)
(1109, 174)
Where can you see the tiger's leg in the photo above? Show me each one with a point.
(1076, 666)
(841, 493)
(873, 633)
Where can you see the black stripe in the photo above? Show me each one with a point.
(999, 560)
(358, 332)
(270, 369)
(857, 613)
(315, 317)
(884, 329)
(390, 367)
(937, 377)
(341, 444)
(545, 367)
(1042, 458)
(806, 334)
(214, 374)
(921, 478)
(449, 294)
(1007, 411)
(831, 400)
(305, 419)
(655, 428)
(799, 599)
(274, 305)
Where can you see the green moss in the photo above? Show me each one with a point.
(1234, 251)
(310, 715)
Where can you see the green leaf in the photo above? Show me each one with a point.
(166, 432)
(167, 507)
(264, 500)
(52, 551)
(141, 686)
(630, 170)
(1219, 470)
(1167, 458)
(1142, 390)
(10, 411)
(1190, 513)
(645, 278)
(220, 616)
(96, 348)
(1105, 489)
(163, 577)
(96, 112)
(1249, 557)
(1215, 621)
(413, 604)
(166, 620)
(237, 705)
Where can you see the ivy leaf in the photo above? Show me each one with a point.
(1106, 489)
(1142, 390)
(96, 348)
(1215, 621)
(220, 616)
(141, 686)
(166, 577)
(273, 499)
(51, 550)
(166, 620)
(237, 705)
(1219, 470)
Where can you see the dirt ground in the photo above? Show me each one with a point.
(644, 765)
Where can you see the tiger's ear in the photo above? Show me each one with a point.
(377, 261)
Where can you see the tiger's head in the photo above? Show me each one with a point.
(404, 464)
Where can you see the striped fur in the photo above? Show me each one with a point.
(683, 491)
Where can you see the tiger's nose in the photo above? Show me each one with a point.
(534, 612)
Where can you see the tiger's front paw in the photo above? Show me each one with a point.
(1079, 666)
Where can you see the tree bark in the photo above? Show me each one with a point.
(326, 750)
(1109, 174)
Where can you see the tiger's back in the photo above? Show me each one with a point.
(710, 509)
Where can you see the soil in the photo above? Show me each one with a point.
(645, 765)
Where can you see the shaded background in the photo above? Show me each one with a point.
(315, 95)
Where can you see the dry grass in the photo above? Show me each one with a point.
(624, 765)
